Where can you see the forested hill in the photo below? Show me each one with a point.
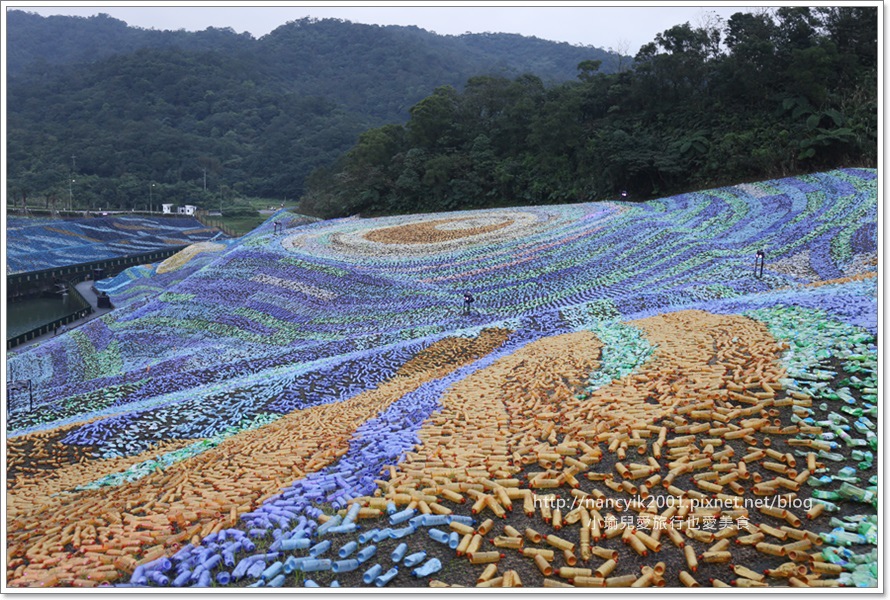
(763, 95)
(36, 44)
(306, 52)
(136, 106)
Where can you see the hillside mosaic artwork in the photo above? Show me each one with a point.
(35, 244)
(625, 402)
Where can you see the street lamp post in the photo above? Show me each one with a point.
(150, 200)
(70, 195)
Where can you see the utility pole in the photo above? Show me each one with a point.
(70, 186)
(150, 200)
(205, 179)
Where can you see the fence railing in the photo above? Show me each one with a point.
(81, 270)
(83, 309)
(213, 222)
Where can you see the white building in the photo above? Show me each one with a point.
(188, 209)
(166, 209)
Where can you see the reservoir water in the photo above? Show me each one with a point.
(28, 314)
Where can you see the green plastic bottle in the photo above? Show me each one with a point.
(869, 531)
(860, 427)
(847, 472)
(844, 394)
(833, 416)
(851, 442)
(829, 506)
(835, 522)
(863, 455)
(871, 438)
(863, 580)
(830, 456)
(826, 495)
(847, 537)
(852, 492)
(820, 481)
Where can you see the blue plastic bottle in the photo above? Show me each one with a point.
(315, 564)
(290, 565)
(453, 540)
(256, 569)
(399, 553)
(439, 535)
(352, 513)
(138, 572)
(367, 536)
(162, 564)
(414, 559)
(212, 562)
(396, 534)
(295, 544)
(401, 516)
(319, 548)
(196, 573)
(228, 559)
(366, 553)
(431, 566)
(386, 577)
(347, 549)
(371, 574)
(343, 566)
(332, 522)
(272, 570)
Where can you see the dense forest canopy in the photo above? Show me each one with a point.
(377, 120)
(763, 95)
(136, 107)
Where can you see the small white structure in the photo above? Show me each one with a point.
(166, 209)
(188, 209)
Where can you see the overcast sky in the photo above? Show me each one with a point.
(622, 26)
